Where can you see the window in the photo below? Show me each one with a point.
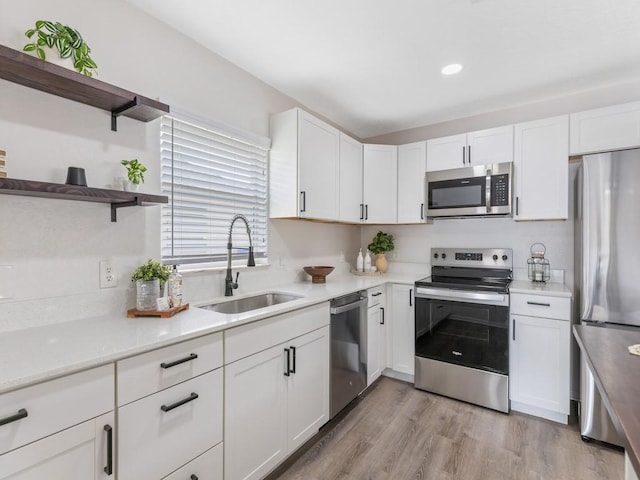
(211, 174)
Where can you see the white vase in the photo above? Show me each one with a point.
(130, 186)
(53, 56)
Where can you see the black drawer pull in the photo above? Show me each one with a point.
(22, 413)
(190, 398)
(293, 355)
(193, 477)
(382, 316)
(410, 295)
(109, 468)
(539, 304)
(193, 356)
(422, 211)
(287, 372)
(377, 294)
(513, 330)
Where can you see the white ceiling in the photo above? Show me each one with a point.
(373, 66)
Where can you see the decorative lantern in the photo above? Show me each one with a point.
(538, 266)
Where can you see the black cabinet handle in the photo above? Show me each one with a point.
(539, 304)
(463, 149)
(377, 294)
(422, 211)
(193, 477)
(366, 212)
(193, 356)
(190, 398)
(382, 317)
(293, 355)
(287, 372)
(513, 330)
(469, 155)
(22, 413)
(109, 468)
(303, 199)
(410, 295)
(517, 202)
(362, 211)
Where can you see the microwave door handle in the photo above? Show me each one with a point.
(487, 191)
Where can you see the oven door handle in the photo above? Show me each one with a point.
(348, 307)
(463, 296)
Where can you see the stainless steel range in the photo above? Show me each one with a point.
(462, 326)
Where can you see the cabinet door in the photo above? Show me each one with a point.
(402, 329)
(308, 386)
(380, 190)
(255, 433)
(318, 154)
(77, 453)
(539, 362)
(412, 165)
(603, 129)
(542, 169)
(493, 145)
(376, 342)
(447, 152)
(351, 206)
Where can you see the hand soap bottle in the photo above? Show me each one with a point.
(360, 262)
(175, 288)
(367, 262)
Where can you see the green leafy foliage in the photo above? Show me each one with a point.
(151, 270)
(135, 170)
(65, 39)
(382, 242)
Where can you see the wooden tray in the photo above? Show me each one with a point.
(366, 274)
(134, 312)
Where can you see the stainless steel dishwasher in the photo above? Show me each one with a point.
(348, 349)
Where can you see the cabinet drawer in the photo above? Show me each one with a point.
(54, 405)
(541, 306)
(153, 441)
(248, 339)
(375, 296)
(151, 372)
(207, 466)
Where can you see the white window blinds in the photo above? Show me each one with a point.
(211, 174)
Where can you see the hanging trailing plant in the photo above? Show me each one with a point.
(65, 39)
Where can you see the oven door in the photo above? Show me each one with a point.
(474, 335)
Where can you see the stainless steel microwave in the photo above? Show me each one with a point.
(480, 190)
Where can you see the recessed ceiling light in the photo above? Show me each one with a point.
(451, 69)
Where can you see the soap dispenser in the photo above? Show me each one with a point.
(367, 262)
(360, 262)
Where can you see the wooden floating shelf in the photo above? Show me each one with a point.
(30, 71)
(116, 198)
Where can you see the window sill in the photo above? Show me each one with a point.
(192, 269)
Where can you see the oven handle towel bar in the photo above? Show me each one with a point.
(348, 306)
(463, 296)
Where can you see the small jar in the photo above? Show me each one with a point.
(147, 293)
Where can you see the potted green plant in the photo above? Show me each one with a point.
(135, 173)
(380, 244)
(66, 40)
(149, 278)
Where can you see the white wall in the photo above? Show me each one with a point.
(53, 247)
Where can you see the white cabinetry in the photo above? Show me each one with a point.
(493, 145)
(610, 128)
(276, 389)
(380, 184)
(303, 167)
(542, 169)
(351, 206)
(376, 334)
(539, 359)
(172, 414)
(402, 326)
(62, 428)
(412, 165)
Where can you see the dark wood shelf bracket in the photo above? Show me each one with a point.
(136, 202)
(136, 102)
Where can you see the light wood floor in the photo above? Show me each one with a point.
(397, 432)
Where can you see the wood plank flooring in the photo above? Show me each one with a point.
(397, 432)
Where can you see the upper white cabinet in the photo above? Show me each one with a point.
(541, 169)
(351, 206)
(380, 183)
(493, 145)
(303, 167)
(412, 165)
(609, 128)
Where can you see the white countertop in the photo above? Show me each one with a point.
(36, 354)
(551, 289)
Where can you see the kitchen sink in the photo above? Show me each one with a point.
(246, 304)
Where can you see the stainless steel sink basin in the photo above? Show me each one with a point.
(247, 304)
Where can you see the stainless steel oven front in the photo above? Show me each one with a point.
(462, 345)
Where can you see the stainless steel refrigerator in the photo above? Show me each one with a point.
(607, 232)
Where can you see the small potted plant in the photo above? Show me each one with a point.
(149, 278)
(68, 42)
(135, 174)
(381, 243)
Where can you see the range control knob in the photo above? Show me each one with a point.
(444, 255)
(495, 258)
(504, 258)
(435, 255)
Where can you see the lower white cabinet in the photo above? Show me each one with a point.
(376, 334)
(539, 356)
(207, 466)
(402, 328)
(275, 400)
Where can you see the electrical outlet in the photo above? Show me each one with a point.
(107, 275)
(394, 255)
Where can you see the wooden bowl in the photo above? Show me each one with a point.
(318, 274)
